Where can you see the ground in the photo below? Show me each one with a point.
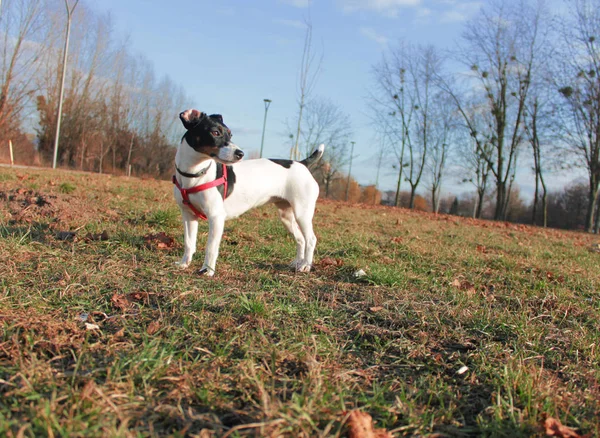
(460, 327)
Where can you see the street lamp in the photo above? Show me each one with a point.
(62, 81)
(262, 141)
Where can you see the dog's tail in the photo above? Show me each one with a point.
(314, 157)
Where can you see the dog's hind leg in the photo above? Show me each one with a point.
(304, 216)
(190, 233)
(286, 214)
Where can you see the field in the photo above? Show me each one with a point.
(459, 327)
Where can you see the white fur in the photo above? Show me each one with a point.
(293, 190)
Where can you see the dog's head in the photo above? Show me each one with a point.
(210, 136)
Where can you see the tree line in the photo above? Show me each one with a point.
(520, 89)
(117, 115)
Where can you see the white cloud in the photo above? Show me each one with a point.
(460, 11)
(373, 35)
(297, 3)
(385, 7)
(298, 24)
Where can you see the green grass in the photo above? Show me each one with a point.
(259, 350)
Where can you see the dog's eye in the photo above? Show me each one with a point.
(216, 133)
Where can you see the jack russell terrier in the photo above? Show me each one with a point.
(212, 184)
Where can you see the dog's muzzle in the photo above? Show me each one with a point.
(230, 154)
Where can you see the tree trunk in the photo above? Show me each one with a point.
(397, 201)
(592, 199)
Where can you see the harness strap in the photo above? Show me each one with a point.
(209, 185)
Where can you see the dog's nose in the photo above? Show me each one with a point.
(239, 154)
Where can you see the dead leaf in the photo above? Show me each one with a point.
(138, 296)
(360, 425)
(89, 326)
(120, 301)
(153, 327)
(376, 308)
(555, 428)
(159, 241)
(330, 261)
(103, 236)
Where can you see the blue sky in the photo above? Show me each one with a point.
(231, 54)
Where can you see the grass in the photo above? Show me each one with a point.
(102, 335)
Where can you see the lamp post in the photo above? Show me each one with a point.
(262, 141)
(349, 171)
(62, 81)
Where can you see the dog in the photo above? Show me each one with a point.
(212, 183)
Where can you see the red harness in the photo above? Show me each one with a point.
(209, 185)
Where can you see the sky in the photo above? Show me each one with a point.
(232, 54)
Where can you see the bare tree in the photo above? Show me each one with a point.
(499, 47)
(308, 74)
(578, 83)
(20, 25)
(443, 125)
(324, 122)
(391, 98)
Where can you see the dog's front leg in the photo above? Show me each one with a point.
(215, 232)
(190, 233)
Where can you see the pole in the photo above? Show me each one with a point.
(349, 171)
(10, 149)
(62, 81)
(262, 141)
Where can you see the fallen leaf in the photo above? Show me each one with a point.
(360, 425)
(89, 326)
(330, 261)
(137, 296)
(120, 301)
(555, 428)
(159, 241)
(376, 308)
(103, 236)
(153, 327)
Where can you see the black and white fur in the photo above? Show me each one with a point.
(288, 184)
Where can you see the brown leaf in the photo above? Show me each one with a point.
(360, 425)
(555, 428)
(153, 327)
(103, 236)
(138, 296)
(159, 241)
(330, 261)
(376, 308)
(120, 301)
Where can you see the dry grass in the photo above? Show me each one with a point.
(102, 336)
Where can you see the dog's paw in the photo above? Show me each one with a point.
(182, 265)
(206, 271)
(304, 267)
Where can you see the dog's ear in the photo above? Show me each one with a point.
(218, 118)
(191, 118)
